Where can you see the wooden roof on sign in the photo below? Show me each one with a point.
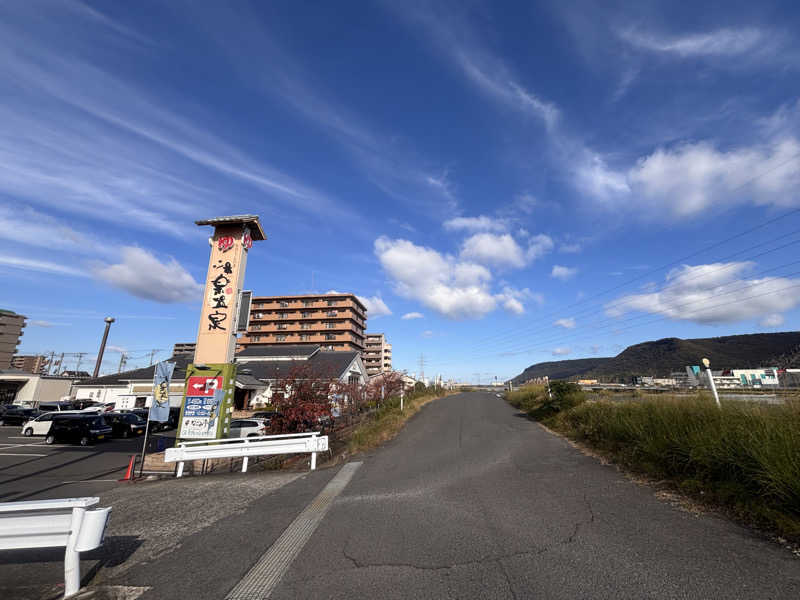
(251, 220)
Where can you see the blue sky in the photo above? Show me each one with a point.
(503, 183)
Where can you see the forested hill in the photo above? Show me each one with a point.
(661, 357)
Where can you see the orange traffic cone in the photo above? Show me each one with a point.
(131, 467)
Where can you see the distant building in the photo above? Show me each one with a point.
(11, 325)
(29, 389)
(333, 321)
(30, 363)
(766, 377)
(184, 349)
(377, 354)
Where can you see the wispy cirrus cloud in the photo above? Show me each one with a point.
(726, 42)
(81, 138)
(41, 266)
(412, 315)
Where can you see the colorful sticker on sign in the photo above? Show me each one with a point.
(200, 414)
(203, 386)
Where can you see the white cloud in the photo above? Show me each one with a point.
(36, 323)
(500, 250)
(455, 288)
(690, 178)
(117, 349)
(563, 273)
(570, 248)
(774, 320)
(427, 333)
(412, 315)
(561, 351)
(538, 245)
(568, 323)
(144, 276)
(28, 264)
(714, 293)
(479, 223)
(722, 42)
(376, 307)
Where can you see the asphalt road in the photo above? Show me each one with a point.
(30, 469)
(471, 500)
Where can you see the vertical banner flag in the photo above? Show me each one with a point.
(159, 409)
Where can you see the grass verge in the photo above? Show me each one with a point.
(744, 457)
(389, 420)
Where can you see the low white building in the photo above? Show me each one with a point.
(29, 389)
(763, 377)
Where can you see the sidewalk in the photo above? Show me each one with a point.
(169, 532)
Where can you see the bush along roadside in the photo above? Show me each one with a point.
(388, 419)
(744, 457)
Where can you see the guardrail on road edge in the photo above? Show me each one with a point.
(290, 443)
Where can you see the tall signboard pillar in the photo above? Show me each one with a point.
(210, 379)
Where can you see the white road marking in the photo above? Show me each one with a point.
(88, 480)
(265, 575)
(27, 454)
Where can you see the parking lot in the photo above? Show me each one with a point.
(31, 469)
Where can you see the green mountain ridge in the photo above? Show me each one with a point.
(664, 356)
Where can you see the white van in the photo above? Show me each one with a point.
(41, 424)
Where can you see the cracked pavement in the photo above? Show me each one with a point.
(470, 500)
(473, 501)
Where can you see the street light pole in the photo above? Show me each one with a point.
(109, 321)
(707, 365)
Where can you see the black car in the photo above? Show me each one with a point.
(17, 415)
(125, 424)
(81, 429)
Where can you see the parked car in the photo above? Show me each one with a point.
(40, 425)
(56, 406)
(82, 429)
(248, 427)
(267, 415)
(125, 424)
(17, 415)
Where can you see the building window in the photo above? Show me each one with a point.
(330, 336)
(283, 316)
(305, 325)
(330, 325)
(304, 337)
(332, 302)
(306, 314)
(284, 304)
(259, 315)
(255, 327)
(280, 337)
(332, 313)
(282, 325)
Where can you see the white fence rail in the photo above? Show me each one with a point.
(49, 523)
(291, 443)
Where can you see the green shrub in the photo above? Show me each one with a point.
(538, 404)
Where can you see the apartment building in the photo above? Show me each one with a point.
(184, 349)
(11, 325)
(378, 354)
(333, 321)
(30, 363)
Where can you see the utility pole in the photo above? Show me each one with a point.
(152, 354)
(80, 356)
(50, 362)
(60, 363)
(109, 321)
(422, 368)
(122, 360)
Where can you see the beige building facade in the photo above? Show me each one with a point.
(30, 363)
(377, 354)
(11, 325)
(333, 321)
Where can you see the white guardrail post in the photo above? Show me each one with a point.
(54, 523)
(290, 443)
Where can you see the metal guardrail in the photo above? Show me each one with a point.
(48, 523)
(290, 443)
